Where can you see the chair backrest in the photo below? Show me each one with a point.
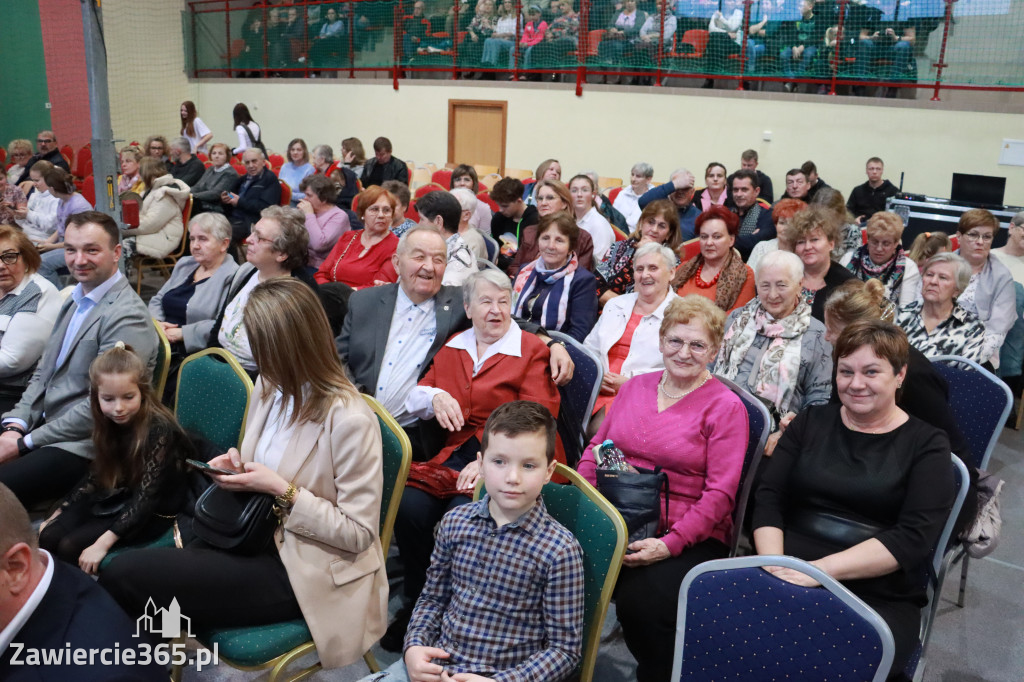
(759, 424)
(483, 171)
(699, 39)
(213, 396)
(89, 190)
(486, 198)
(579, 395)
(980, 401)
(689, 249)
(491, 244)
(427, 189)
(419, 177)
(83, 162)
(938, 566)
(798, 633)
(163, 361)
(276, 161)
(68, 152)
(483, 264)
(518, 173)
(601, 532)
(614, 194)
(397, 460)
(604, 184)
(286, 193)
(443, 177)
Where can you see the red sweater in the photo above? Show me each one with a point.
(345, 263)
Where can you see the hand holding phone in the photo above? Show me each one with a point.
(208, 469)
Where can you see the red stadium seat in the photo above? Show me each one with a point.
(689, 249)
(286, 193)
(276, 161)
(83, 163)
(486, 198)
(89, 190)
(442, 177)
(613, 194)
(427, 189)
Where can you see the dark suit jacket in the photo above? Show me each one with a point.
(264, 191)
(395, 169)
(765, 230)
(77, 611)
(62, 392)
(189, 172)
(54, 157)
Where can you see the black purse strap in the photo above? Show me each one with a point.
(657, 470)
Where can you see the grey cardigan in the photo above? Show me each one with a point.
(996, 298)
(205, 303)
(207, 190)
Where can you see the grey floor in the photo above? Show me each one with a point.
(982, 641)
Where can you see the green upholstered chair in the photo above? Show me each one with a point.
(213, 396)
(601, 532)
(279, 645)
(163, 361)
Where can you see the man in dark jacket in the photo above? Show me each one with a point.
(46, 144)
(257, 189)
(755, 216)
(185, 166)
(383, 166)
(679, 189)
(868, 199)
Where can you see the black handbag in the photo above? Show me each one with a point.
(112, 503)
(238, 522)
(637, 496)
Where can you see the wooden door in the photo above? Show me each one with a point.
(476, 132)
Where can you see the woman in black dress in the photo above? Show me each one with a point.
(861, 489)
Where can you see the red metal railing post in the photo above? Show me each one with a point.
(266, 56)
(515, 40)
(582, 46)
(397, 42)
(744, 30)
(661, 43)
(455, 40)
(941, 64)
(351, 40)
(305, 37)
(227, 31)
(837, 55)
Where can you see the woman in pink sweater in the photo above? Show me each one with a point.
(325, 222)
(695, 428)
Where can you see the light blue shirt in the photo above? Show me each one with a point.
(85, 303)
(413, 329)
(293, 176)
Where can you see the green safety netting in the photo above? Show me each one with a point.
(899, 42)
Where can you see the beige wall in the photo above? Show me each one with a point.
(608, 131)
(145, 67)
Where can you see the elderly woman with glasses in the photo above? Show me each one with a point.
(884, 259)
(29, 305)
(938, 324)
(989, 293)
(685, 421)
(362, 258)
(773, 347)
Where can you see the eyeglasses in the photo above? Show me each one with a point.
(697, 348)
(261, 240)
(10, 257)
(983, 237)
(380, 210)
(43, 140)
(20, 154)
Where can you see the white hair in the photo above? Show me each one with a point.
(495, 277)
(466, 198)
(666, 254)
(784, 259)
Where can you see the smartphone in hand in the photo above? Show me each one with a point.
(207, 469)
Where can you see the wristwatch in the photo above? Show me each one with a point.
(23, 449)
(285, 501)
(13, 427)
(552, 342)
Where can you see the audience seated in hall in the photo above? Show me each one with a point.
(40, 220)
(626, 202)
(868, 199)
(884, 259)
(383, 166)
(325, 222)
(46, 150)
(70, 202)
(584, 206)
(658, 224)
(45, 448)
(815, 232)
(552, 197)
(755, 216)
(296, 168)
(748, 161)
(362, 258)
(717, 273)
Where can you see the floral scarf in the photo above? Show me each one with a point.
(730, 281)
(776, 377)
(530, 290)
(890, 273)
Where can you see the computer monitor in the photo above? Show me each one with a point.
(986, 190)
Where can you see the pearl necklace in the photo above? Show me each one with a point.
(664, 391)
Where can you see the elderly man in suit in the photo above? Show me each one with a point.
(392, 332)
(257, 189)
(46, 443)
(47, 606)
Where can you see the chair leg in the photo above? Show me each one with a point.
(1020, 413)
(371, 662)
(963, 580)
(138, 278)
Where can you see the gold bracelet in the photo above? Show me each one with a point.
(285, 501)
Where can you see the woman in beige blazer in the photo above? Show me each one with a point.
(314, 444)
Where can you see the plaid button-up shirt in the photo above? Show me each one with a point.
(506, 603)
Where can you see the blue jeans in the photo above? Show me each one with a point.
(809, 53)
(494, 48)
(754, 51)
(53, 266)
(396, 672)
(898, 54)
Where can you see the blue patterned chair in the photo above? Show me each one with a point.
(981, 403)
(578, 397)
(739, 622)
(759, 424)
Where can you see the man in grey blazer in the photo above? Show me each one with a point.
(46, 443)
(392, 332)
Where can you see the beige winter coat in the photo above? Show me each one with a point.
(160, 220)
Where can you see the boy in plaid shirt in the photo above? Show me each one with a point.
(504, 594)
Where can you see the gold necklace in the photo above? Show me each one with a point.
(664, 391)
